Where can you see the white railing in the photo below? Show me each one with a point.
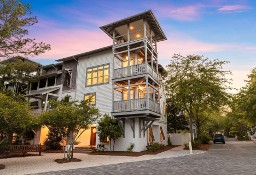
(138, 104)
(121, 72)
(152, 72)
(121, 106)
(135, 105)
(135, 70)
(130, 70)
(153, 106)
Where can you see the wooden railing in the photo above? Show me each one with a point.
(135, 70)
(135, 105)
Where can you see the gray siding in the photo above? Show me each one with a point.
(103, 91)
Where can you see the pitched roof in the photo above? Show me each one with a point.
(86, 53)
(148, 15)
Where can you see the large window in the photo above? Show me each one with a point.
(90, 99)
(97, 75)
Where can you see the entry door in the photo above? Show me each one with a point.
(93, 136)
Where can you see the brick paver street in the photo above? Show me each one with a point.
(231, 158)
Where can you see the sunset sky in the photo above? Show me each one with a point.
(217, 29)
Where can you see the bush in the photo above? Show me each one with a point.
(205, 138)
(52, 145)
(243, 138)
(196, 144)
(169, 141)
(131, 147)
(3, 146)
(155, 146)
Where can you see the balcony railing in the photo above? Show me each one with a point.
(134, 70)
(136, 105)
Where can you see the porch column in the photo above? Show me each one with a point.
(129, 95)
(147, 97)
(46, 101)
(113, 70)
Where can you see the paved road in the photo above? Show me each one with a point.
(222, 159)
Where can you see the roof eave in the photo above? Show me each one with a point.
(162, 36)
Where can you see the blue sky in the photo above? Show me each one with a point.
(217, 29)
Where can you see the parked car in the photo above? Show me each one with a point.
(218, 138)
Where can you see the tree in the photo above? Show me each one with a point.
(197, 84)
(242, 117)
(17, 72)
(15, 117)
(246, 98)
(109, 127)
(175, 118)
(69, 118)
(15, 18)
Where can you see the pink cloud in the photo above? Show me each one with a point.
(233, 8)
(68, 41)
(186, 13)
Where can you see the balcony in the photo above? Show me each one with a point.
(136, 106)
(135, 70)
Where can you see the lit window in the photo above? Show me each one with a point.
(90, 99)
(97, 75)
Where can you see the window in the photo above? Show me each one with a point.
(97, 75)
(90, 99)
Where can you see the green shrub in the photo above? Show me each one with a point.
(52, 145)
(3, 146)
(155, 146)
(243, 138)
(205, 138)
(169, 142)
(131, 147)
(196, 144)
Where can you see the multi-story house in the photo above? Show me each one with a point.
(121, 80)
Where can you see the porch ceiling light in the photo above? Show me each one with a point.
(131, 27)
(138, 35)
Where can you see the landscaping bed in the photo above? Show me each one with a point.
(67, 161)
(54, 151)
(130, 153)
(2, 166)
(203, 147)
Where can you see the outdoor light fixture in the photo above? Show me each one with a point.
(131, 27)
(138, 35)
(94, 130)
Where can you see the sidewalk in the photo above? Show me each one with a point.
(45, 163)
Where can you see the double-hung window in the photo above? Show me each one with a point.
(97, 75)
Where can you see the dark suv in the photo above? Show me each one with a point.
(218, 138)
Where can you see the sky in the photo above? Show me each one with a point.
(216, 29)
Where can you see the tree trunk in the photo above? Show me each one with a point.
(190, 125)
(10, 136)
(113, 145)
(109, 144)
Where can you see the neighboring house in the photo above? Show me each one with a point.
(121, 80)
(17, 80)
